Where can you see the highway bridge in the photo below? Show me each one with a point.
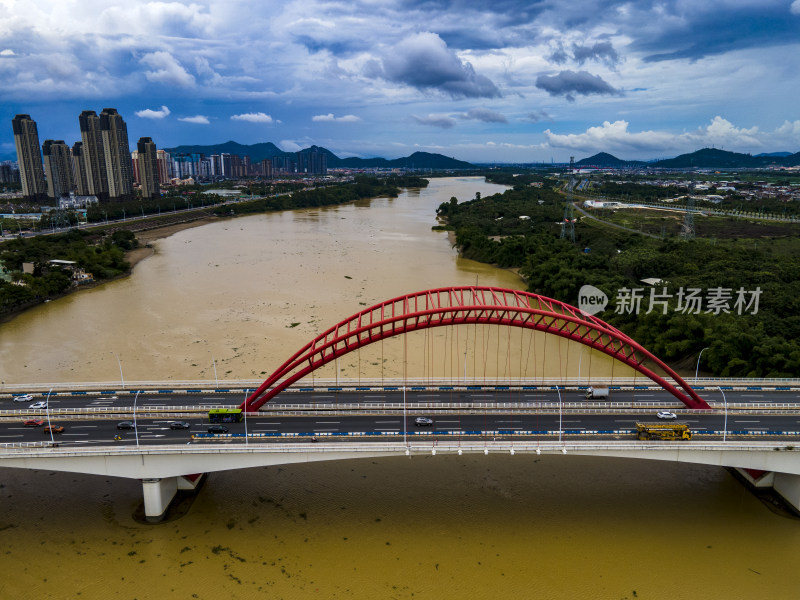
(753, 426)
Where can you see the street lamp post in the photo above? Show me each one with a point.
(405, 419)
(560, 412)
(245, 416)
(725, 403)
(135, 427)
(122, 379)
(47, 412)
(213, 362)
(697, 370)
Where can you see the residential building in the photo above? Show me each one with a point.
(94, 157)
(58, 168)
(29, 156)
(148, 168)
(79, 170)
(119, 167)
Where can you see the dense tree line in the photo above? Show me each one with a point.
(362, 187)
(102, 256)
(765, 343)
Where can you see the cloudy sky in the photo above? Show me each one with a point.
(480, 80)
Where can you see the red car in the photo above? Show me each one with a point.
(33, 423)
(54, 429)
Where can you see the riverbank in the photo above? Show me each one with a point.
(133, 257)
(147, 236)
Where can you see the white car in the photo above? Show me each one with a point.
(423, 422)
(665, 414)
(40, 404)
(23, 398)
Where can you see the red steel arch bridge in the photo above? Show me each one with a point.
(462, 306)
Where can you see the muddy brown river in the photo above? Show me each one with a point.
(243, 295)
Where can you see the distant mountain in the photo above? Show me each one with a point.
(258, 152)
(774, 154)
(606, 160)
(710, 158)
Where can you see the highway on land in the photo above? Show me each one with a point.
(454, 413)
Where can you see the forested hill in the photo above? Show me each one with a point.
(521, 228)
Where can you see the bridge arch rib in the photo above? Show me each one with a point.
(461, 306)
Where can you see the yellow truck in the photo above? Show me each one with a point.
(663, 431)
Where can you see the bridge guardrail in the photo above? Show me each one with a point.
(391, 384)
(479, 442)
(436, 408)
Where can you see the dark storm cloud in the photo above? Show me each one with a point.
(423, 61)
(442, 121)
(570, 83)
(602, 51)
(486, 115)
(537, 116)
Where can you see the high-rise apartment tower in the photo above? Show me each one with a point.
(29, 157)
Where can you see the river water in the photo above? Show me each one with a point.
(242, 295)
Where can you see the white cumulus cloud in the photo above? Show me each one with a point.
(615, 137)
(258, 117)
(166, 69)
(795, 8)
(331, 118)
(7, 52)
(148, 113)
(197, 119)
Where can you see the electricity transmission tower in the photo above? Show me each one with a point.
(568, 223)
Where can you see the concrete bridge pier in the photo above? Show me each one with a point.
(786, 485)
(159, 493)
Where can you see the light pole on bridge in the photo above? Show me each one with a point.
(135, 427)
(725, 404)
(213, 362)
(697, 369)
(122, 379)
(47, 412)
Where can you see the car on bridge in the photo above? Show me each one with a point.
(126, 425)
(53, 429)
(665, 414)
(423, 422)
(179, 425)
(217, 429)
(40, 404)
(23, 398)
(33, 423)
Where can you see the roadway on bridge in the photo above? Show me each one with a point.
(533, 415)
(211, 399)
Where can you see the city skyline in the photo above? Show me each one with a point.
(507, 81)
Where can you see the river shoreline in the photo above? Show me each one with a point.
(133, 257)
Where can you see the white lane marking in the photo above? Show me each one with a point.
(396, 421)
(265, 423)
(264, 431)
(324, 430)
(10, 436)
(371, 396)
(735, 421)
(327, 422)
(84, 427)
(752, 395)
(74, 434)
